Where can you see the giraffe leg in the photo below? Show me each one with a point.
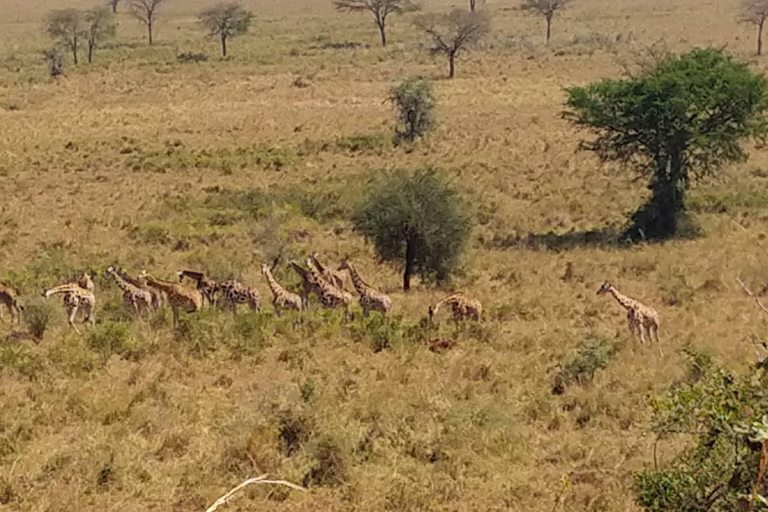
(1, 313)
(175, 316)
(89, 318)
(653, 332)
(641, 330)
(71, 314)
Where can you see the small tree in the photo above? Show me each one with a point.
(113, 4)
(452, 33)
(547, 8)
(755, 12)
(683, 119)
(67, 27)
(146, 12)
(415, 103)
(418, 221)
(54, 61)
(100, 25)
(381, 10)
(225, 21)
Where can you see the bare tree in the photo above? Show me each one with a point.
(146, 12)
(66, 26)
(113, 4)
(473, 4)
(452, 33)
(381, 10)
(547, 8)
(225, 21)
(755, 12)
(100, 25)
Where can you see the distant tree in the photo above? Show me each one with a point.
(67, 27)
(473, 4)
(755, 12)
(54, 61)
(450, 34)
(415, 103)
(146, 12)
(226, 21)
(381, 10)
(100, 25)
(681, 120)
(113, 4)
(418, 221)
(547, 8)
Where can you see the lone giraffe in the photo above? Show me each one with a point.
(10, 300)
(282, 299)
(158, 296)
(640, 318)
(330, 296)
(179, 296)
(136, 299)
(336, 278)
(75, 298)
(308, 283)
(370, 299)
(462, 307)
(205, 285)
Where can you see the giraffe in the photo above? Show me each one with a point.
(236, 293)
(137, 299)
(640, 318)
(330, 296)
(308, 283)
(370, 299)
(158, 296)
(179, 296)
(281, 298)
(461, 306)
(86, 282)
(75, 296)
(336, 278)
(9, 298)
(206, 286)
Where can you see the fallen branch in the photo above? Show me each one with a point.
(757, 300)
(258, 480)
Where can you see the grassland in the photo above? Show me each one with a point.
(150, 163)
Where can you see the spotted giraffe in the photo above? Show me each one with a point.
(282, 299)
(461, 306)
(136, 299)
(640, 318)
(76, 298)
(236, 293)
(330, 296)
(205, 285)
(308, 283)
(370, 299)
(10, 300)
(86, 282)
(336, 278)
(179, 296)
(158, 296)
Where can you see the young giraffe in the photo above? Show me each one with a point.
(135, 298)
(640, 318)
(308, 283)
(330, 296)
(461, 306)
(281, 298)
(158, 297)
(337, 278)
(236, 293)
(75, 297)
(179, 297)
(9, 298)
(370, 299)
(206, 286)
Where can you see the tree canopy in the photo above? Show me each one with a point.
(226, 21)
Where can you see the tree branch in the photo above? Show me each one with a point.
(258, 480)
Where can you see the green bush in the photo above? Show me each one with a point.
(591, 356)
(415, 103)
(39, 314)
(115, 338)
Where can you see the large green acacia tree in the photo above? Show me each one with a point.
(683, 119)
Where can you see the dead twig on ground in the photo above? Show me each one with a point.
(258, 480)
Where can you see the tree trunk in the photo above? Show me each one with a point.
(74, 51)
(472, 4)
(760, 37)
(91, 46)
(549, 28)
(149, 30)
(409, 257)
(114, 6)
(223, 45)
(452, 64)
(383, 32)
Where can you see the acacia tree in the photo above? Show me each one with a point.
(415, 103)
(683, 119)
(146, 12)
(381, 10)
(755, 12)
(226, 21)
(450, 34)
(67, 27)
(100, 25)
(547, 8)
(417, 221)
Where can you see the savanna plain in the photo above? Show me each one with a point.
(146, 162)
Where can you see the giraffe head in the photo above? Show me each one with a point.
(605, 288)
(264, 269)
(86, 282)
(344, 264)
(110, 270)
(180, 273)
(142, 275)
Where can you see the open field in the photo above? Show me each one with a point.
(145, 162)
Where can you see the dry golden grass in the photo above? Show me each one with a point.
(114, 162)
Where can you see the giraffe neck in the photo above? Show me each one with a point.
(64, 288)
(319, 265)
(273, 285)
(120, 282)
(127, 278)
(625, 301)
(303, 273)
(160, 285)
(357, 281)
(199, 277)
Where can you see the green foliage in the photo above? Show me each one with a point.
(416, 220)
(38, 315)
(19, 359)
(713, 409)
(591, 356)
(226, 21)
(415, 102)
(115, 338)
(683, 119)
(382, 331)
